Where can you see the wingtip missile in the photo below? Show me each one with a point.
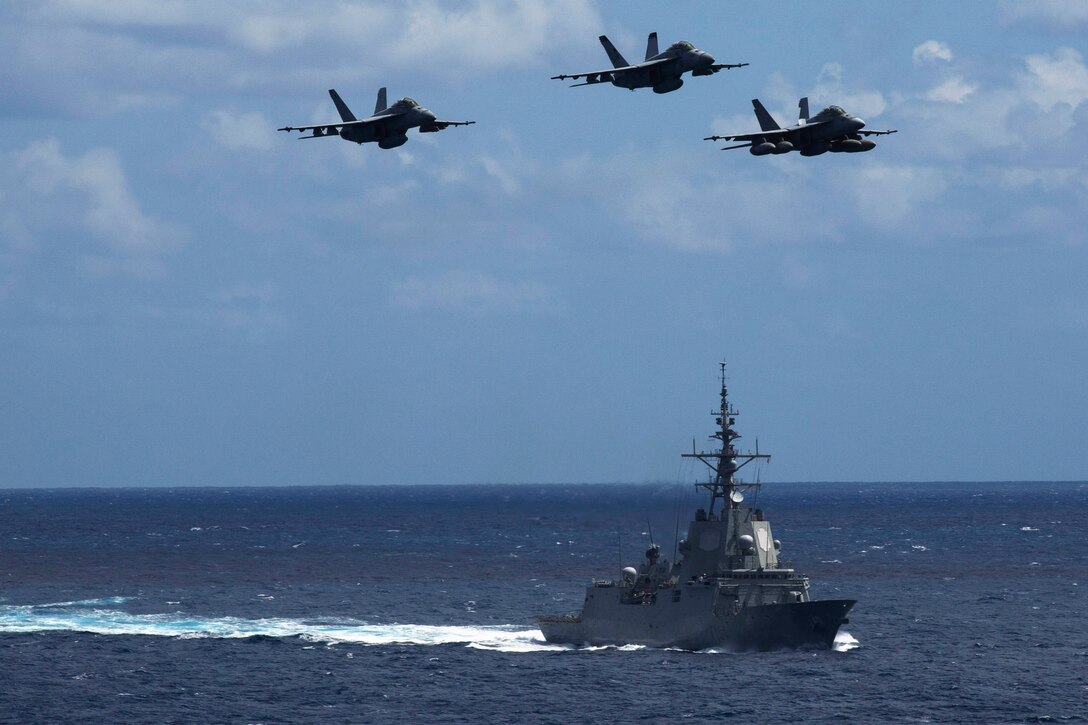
(726, 66)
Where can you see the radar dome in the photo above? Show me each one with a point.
(746, 542)
(629, 572)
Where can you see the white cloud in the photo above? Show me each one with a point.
(1053, 79)
(52, 189)
(952, 90)
(92, 58)
(492, 34)
(1052, 14)
(499, 170)
(830, 89)
(240, 131)
(887, 195)
(1031, 114)
(931, 51)
(471, 291)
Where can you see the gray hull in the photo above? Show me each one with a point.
(766, 627)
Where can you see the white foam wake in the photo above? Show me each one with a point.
(844, 642)
(85, 616)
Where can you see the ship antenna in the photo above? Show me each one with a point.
(727, 460)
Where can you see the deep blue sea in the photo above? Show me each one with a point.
(415, 604)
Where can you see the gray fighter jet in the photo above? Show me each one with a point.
(832, 129)
(660, 71)
(388, 126)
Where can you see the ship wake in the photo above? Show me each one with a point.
(99, 617)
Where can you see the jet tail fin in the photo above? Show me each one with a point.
(766, 122)
(345, 112)
(380, 105)
(802, 106)
(618, 61)
(651, 46)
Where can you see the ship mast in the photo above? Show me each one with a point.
(727, 460)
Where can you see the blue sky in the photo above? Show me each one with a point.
(189, 298)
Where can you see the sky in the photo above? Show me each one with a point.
(188, 297)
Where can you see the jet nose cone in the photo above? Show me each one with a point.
(706, 59)
(858, 123)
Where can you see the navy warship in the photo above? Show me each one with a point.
(729, 589)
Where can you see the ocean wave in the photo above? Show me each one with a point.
(102, 602)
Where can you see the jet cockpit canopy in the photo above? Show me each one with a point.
(832, 111)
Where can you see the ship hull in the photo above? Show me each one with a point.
(768, 627)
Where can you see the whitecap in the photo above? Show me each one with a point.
(101, 602)
(919, 547)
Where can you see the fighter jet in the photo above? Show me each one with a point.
(660, 71)
(832, 129)
(388, 126)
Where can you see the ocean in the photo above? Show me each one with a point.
(415, 604)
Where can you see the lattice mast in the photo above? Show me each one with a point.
(727, 460)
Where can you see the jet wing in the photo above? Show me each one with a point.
(608, 71)
(877, 133)
(333, 129)
(773, 134)
(440, 125)
(776, 133)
